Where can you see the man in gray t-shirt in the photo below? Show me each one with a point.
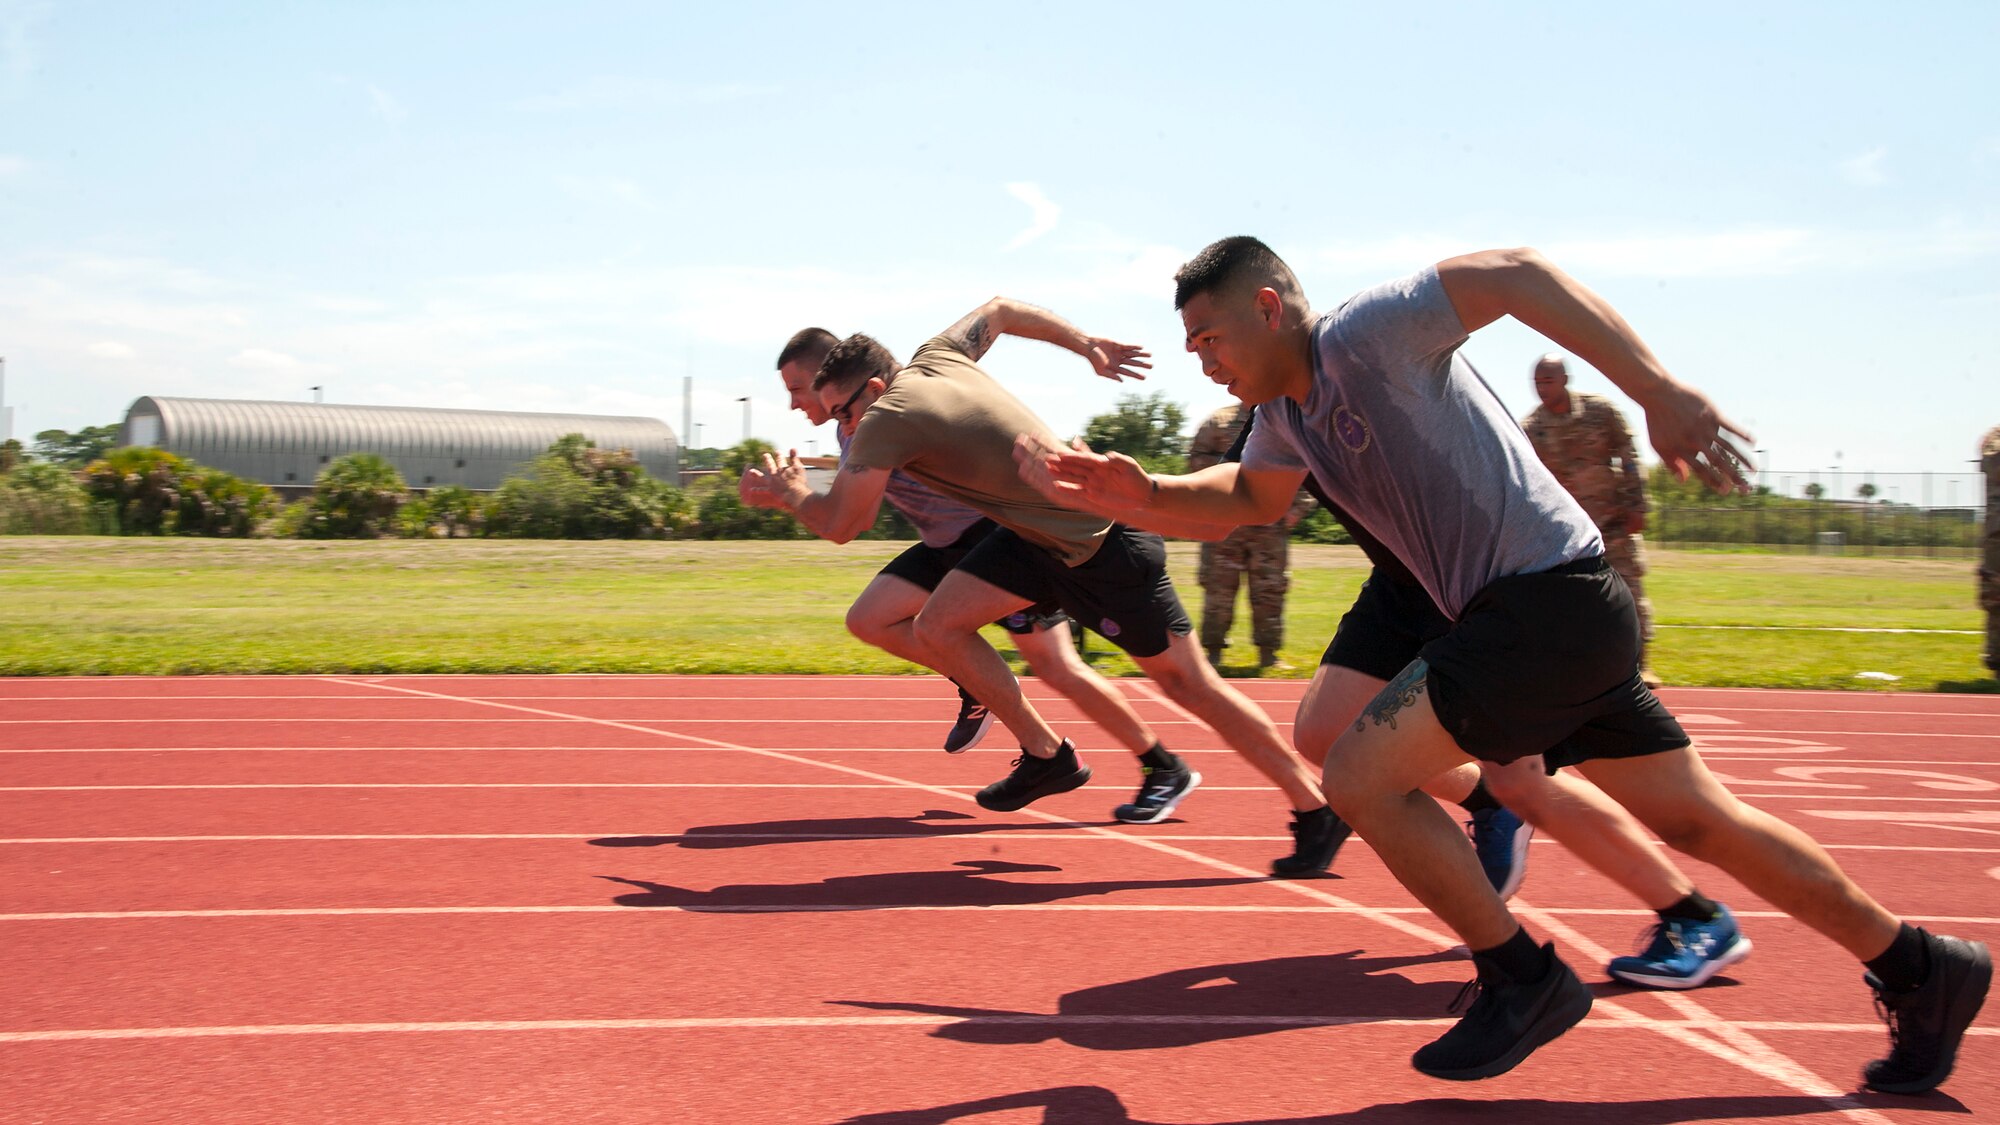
(1374, 399)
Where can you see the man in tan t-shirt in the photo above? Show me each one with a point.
(945, 422)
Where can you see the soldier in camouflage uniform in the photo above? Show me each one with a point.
(1989, 543)
(1261, 553)
(1584, 441)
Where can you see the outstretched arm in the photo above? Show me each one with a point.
(1113, 485)
(976, 331)
(840, 513)
(1685, 427)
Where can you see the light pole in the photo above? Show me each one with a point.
(745, 400)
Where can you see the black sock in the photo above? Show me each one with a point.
(1696, 907)
(1160, 758)
(1906, 963)
(1518, 958)
(1479, 800)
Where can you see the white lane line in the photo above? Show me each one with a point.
(710, 1023)
(960, 790)
(450, 785)
(1422, 933)
(1701, 735)
(1369, 912)
(663, 838)
(400, 720)
(1828, 629)
(1704, 716)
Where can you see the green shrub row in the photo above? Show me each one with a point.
(573, 491)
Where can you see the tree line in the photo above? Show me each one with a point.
(81, 483)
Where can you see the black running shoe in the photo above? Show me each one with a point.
(1927, 1022)
(1507, 1020)
(1159, 792)
(1316, 836)
(972, 724)
(1034, 778)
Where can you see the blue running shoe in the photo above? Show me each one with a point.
(1683, 953)
(1501, 839)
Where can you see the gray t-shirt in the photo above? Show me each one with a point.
(1405, 435)
(940, 521)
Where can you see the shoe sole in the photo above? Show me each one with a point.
(1061, 785)
(1163, 812)
(1545, 1030)
(1965, 1005)
(1701, 976)
(985, 725)
(1518, 873)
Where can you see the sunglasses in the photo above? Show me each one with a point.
(842, 412)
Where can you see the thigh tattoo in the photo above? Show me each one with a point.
(1400, 692)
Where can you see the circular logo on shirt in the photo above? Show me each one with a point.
(1018, 619)
(1109, 627)
(1352, 429)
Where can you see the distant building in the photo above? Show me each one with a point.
(287, 444)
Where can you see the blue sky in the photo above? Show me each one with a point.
(573, 207)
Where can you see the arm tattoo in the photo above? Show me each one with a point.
(1400, 693)
(978, 338)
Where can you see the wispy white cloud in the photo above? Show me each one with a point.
(1866, 168)
(18, 54)
(600, 191)
(617, 92)
(112, 349)
(12, 167)
(385, 104)
(263, 359)
(1043, 215)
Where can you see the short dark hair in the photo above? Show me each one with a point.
(854, 360)
(1237, 262)
(809, 345)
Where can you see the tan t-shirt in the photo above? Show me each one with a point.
(948, 424)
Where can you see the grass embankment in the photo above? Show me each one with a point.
(92, 606)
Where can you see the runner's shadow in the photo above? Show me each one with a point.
(1095, 1105)
(971, 886)
(1208, 1003)
(759, 833)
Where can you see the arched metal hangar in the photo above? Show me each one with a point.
(287, 444)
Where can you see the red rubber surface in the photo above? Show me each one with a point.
(769, 899)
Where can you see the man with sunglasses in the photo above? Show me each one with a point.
(945, 422)
(883, 615)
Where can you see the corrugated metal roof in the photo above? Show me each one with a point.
(290, 442)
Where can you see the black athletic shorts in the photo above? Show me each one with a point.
(1548, 664)
(1388, 625)
(926, 566)
(1122, 592)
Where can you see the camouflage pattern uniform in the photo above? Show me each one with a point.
(1989, 544)
(1259, 553)
(1590, 451)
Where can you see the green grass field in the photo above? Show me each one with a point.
(94, 606)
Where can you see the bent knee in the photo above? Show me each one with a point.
(1313, 737)
(865, 626)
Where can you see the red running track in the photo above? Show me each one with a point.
(768, 899)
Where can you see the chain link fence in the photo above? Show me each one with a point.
(1926, 515)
